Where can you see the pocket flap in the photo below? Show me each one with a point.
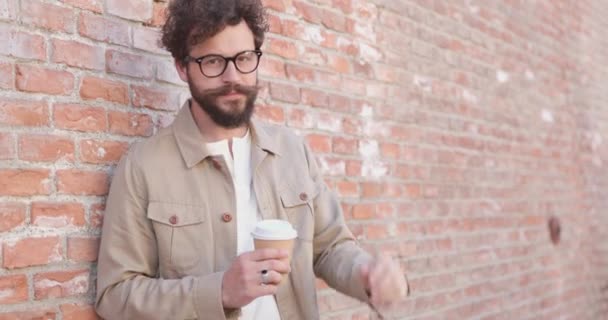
(301, 194)
(175, 215)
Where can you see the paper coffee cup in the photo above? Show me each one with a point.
(278, 234)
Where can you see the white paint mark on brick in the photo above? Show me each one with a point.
(502, 76)
(6, 293)
(367, 111)
(329, 123)
(101, 152)
(422, 82)
(369, 148)
(547, 116)
(53, 222)
(313, 33)
(374, 168)
(530, 75)
(369, 53)
(375, 129)
(469, 97)
(56, 254)
(333, 168)
(77, 285)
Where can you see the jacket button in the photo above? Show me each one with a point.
(226, 217)
(173, 219)
(303, 196)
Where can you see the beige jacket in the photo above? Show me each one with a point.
(169, 229)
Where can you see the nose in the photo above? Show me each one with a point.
(231, 74)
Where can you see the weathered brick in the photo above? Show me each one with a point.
(12, 215)
(78, 312)
(129, 64)
(7, 146)
(24, 113)
(48, 16)
(81, 249)
(104, 29)
(79, 117)
(91, 5)
(14, 289)
(25, 182)
(130, 124)
(77, 54)
(96, 88)
(138, 10)
(60, 284)
(57, 214)
(34, 251)
(102, 152)
(78, 182)
(41, 80)
(46, 148)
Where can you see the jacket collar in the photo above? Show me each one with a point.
(191, 143)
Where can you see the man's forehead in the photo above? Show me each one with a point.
(230, 40)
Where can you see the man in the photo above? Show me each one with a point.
(176, 241)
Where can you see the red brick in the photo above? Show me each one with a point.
(314, 98)
(41, 80)
(78, 312)
(308, 11)
(319, 143)
(138, 10)
(277, 5)
(14, 289)
(24, 113)
(376, 232)
(12, 215)
(61, 284)
(270, 113)
(77, 182)
(130, 124)
(26, 45)
(79, 117)
(102, 152)
(272, 67)
(372, 189)
(146, 39)
(44, 314)
(57, 214)
(129, 64)
(347, 188)
(7, 146)
(83, 249)
(155, 98)
(91, 5)
(300, 73)
(25, 182)
(390, 150)
(345, 6)
(7, 76)
(166, 72)
(46, 148)
(364, 211)
(284, 92)
(158, 14)
(77, 54)
(97, 88)
(104, 29)
(284, 48)
(339, 64)
(334, 21)
(345, 145)
(47, 16)
(31, 252)
(274, 23)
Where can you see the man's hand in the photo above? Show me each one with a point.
(242, 283)
(385, 282)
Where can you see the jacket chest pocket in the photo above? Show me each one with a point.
(298, 204)
(180, 232)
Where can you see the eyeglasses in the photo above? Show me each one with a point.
(214, 65)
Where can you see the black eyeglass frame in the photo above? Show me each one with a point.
(199, 61)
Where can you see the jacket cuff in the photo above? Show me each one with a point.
(208, 298)
(357, 288)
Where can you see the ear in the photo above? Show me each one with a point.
(182, 70)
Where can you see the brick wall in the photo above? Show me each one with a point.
(451, 130)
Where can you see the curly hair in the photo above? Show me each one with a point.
(190, 22)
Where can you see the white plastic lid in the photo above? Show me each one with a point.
(274, 230)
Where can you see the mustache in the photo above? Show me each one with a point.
(227, 88)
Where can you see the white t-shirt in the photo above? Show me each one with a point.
(262, 308)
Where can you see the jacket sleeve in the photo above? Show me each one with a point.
(337, 256)
(128, 286)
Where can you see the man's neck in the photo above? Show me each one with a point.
(210, 130)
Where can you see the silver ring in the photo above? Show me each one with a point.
(264, 273)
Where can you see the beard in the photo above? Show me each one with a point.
(236, 114)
